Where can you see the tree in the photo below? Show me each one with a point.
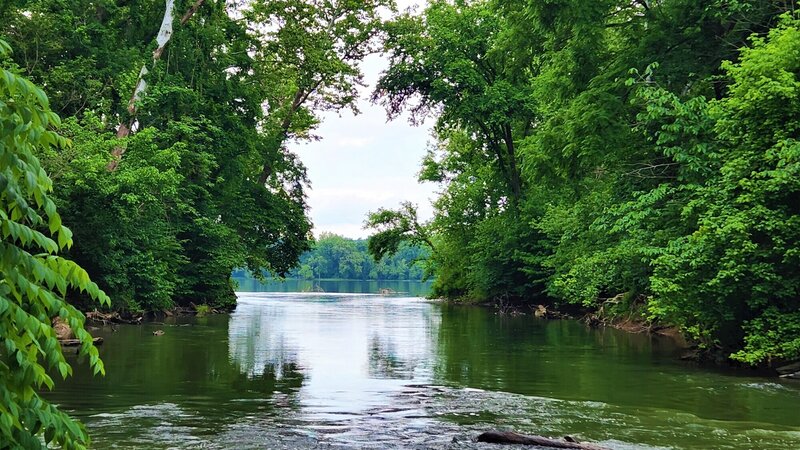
(34, 279)
(650, 185)
(455, 61)
(184, 207)
(162, 39)
(395, 227)
(334, 256)
(309, 53)
(448, 62)
(731, 280)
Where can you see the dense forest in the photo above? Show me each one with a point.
(635, 158)
(336, 257)
(333, 256)
(178, 119)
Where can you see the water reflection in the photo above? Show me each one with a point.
(404, 288)
(352, 351)
(384, 361)
(369, 371)
(258, 349)
(602, 385)
(179, 389)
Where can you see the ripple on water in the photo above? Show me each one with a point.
(435, 417)
(613, 426)
(771, 387)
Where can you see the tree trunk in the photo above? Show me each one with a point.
(298, 100)
(516, 182)
(163, 37)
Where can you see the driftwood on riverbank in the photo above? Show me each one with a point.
(77, 342)
(112, 317)
(509, 437)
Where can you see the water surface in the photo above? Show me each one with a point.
(367, 371)
(407, 288)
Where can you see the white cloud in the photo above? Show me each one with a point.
(350, 142)
(363, 162)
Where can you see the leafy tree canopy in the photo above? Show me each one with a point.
(630, 158)
(180, 169)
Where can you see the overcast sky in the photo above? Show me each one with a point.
(363, 162)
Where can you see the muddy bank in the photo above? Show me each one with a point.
(97, 317)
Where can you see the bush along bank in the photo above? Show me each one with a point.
(579, 158)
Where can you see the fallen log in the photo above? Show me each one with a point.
(509, 437)
(76, 342)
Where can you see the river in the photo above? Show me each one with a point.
(323, 370)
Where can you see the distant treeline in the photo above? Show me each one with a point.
(334, 256)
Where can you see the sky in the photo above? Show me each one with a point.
(363, 162)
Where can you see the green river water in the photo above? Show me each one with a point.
(324, 370)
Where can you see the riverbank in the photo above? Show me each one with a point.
(630, 317)
(614, 313)
(97, 317)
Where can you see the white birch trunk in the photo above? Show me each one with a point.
(162, 39)
(164, 34)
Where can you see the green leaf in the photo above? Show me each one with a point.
(64, 369)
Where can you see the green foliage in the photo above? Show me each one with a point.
(207, 182)
(203, 310)
(334, 256)
(393, 228)
(587, 152)
(308, 54)
(453, 62)
(137, 258)
(740, 256)
(35, 279)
